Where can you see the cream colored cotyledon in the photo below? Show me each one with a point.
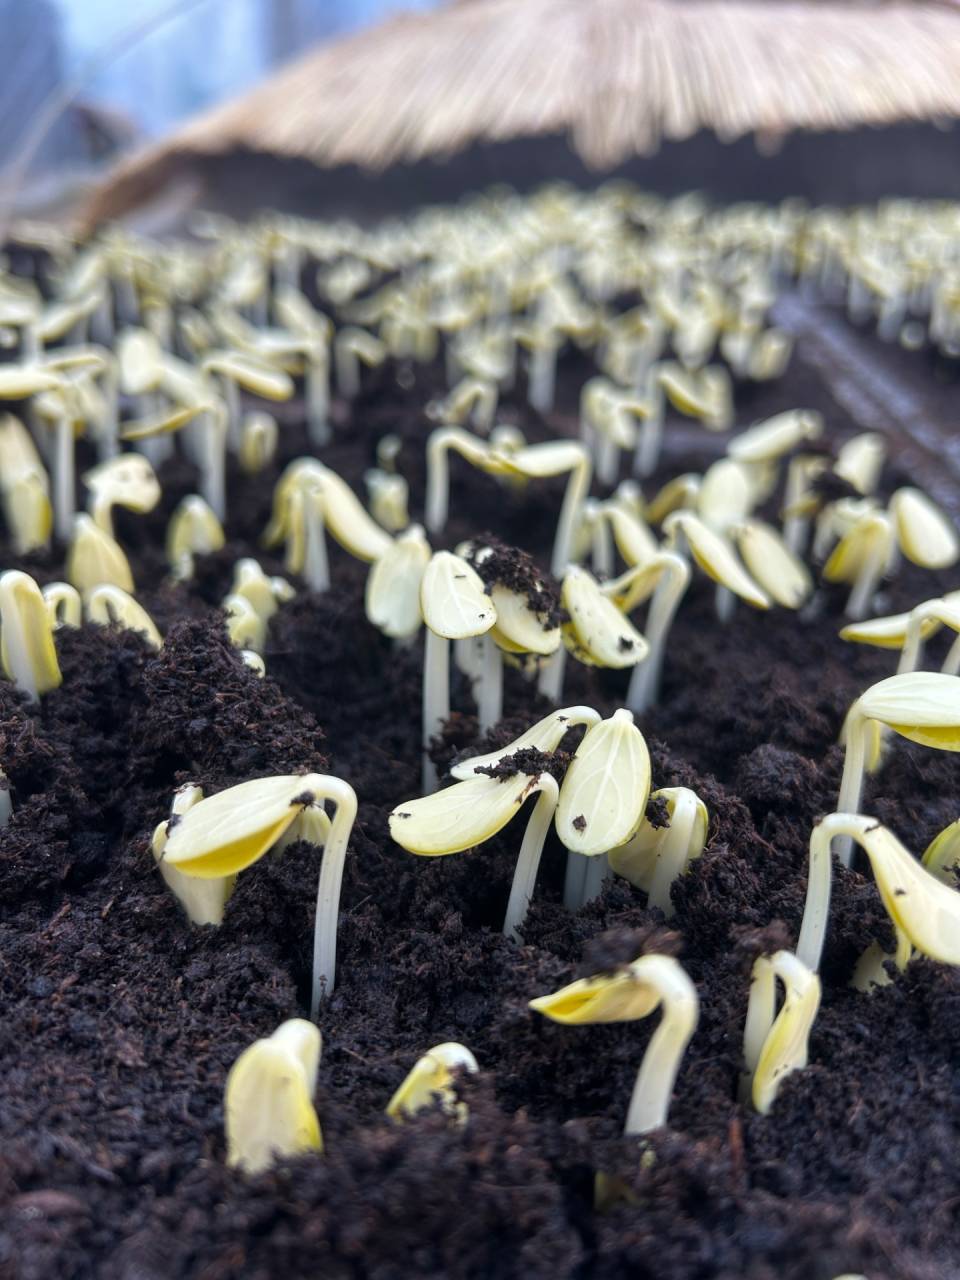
(655, 856)
(95, 558)
(193, 530)
(392, 595)
(268, 1102)
(27, 652)
(432, 1081)
(227, 832)
(908, 632)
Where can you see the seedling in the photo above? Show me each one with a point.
(472, 399)
(634, 992)
(202, 900)
(24, 488)
(925, 535)
(258, 442)
(27, 652)
(657, 856)
(431, 1081)
(110, 606)
(94, 557)
(64, 605)
(545, 736)
(777, 436)
(602, 802)
(922, 706)
(265, 593)
(663, 579)
(351, 346)
(777, 569)
(246, 629)
(776, 1044)
(229, 831)
(256, 376)
(194, 530)
(540, 461)
(439, 443)
(392, 596)
(942, 854)
(389, 499)
(924, 911)
(268, 1103)
(861, 558)
(908, 632)
(473, 811)
(714, 555)
(454, 606)
(127, 480)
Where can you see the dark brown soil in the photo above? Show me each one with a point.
(120, 1020)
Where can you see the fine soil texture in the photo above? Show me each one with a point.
(121, 1020)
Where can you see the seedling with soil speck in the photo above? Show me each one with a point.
(268, 1104)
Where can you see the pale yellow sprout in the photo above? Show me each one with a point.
(432, 1080)
(726, 494)
(715, 556)
(543, 342)
(860, 461)
(268, 1104)
(942, 854)
(634, 992)
(598, 633)
(776, 1044)
(602, 802)
(472, 399)
(94, 557)
(861, 558)
(21, 381)
(778, 571)
(558, 457)
(246, 629)
(546, 735)
(681, 493)
(392, 596)
(454, 606)
(265, 593)
(656, 856)
(203, 900)
(776, 436)
(351, 347)
(472, 812)
(27, 652)
(439, 443)
(258, 441)
(126, 480)
(389, 498)
(663, 579)
(924, 911)
(922, 706)
(255, 662)
(225, 833)
(706, 395)
(166, 422)
(925, 535)
(909, 631)
(64, 605)
(193, 530)
(110, 606)
(140, 358)
(24, 488)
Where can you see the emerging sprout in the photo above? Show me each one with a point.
(94, 558)
(602, 802)
(108, 606)
(392, 596)
(777, 569)
(441, 442)
(656, 856)
(350, 347)
(455, 606)
(633, 992)
(268, 1104)
(27, 651)
(202, 900)
(258, 442)
(24, 488)
(229, 831)
(64, 605)
(921, 705)
(389, 498)
(924, 911)
(908, 632)
(715, 557)
(471, 812)
(776, 1044)
(246, 628)
(776, 436)
(127, 480)
(861, 558)
(194, 530)
(432, 1080)
(664, 578)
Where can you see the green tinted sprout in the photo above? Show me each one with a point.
(110, 606)
(202, 900)
(776, 1044)
(94, 557)
(392, 596)
(656, 856)
(351, 346)
(258, 442)
(193, 530)
(268, 1103)
(127, 480)
(231, 830)
(454, 606)
(27, 652)
(633, 992)
(471, 812)
(908, 632)
(922, 706)
(602, 802)
(433, 1080)
(924, 911)
(64, 605)
(389, 498)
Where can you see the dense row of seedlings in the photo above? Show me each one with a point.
(151, 351)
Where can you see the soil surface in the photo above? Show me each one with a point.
(121, 1020)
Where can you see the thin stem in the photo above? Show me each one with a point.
(868, 579)
(608, 460)
(213, 478)
(490, 683)
(913, 642)
(328, 888)
(528, 861)
(573, 880)
(761, 1012)
(673, 852)
(231, 399)
(644, 688)
(646, 457)
(851, 782)
(6, 803)
(653, 1089)
(348, 371)
(318, 398)
(438, 484)
(64, 502)
(725, 603)
(578, 486)
(436, 700)
(543, 370)
(595, 877)
(550, 682)
(951, 663)
(816, 908)
(316, 564)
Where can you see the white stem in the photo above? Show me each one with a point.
(231, 398)
(573, 880)
(107, 442)
(328, 889)
(597, 874)
(673, 852)
(451, 361)
(316, 564)
(213, 471)
(725, 603)
(653, 1089)
(851, 782)
(951, 663)
(490, 690)
(528, 861)
(6, 804)
(438, 486)
(816, 908)
(436, 699)
(550, 682)
(64, 501)
(608, 460)
(868, 579)
(318, 399)
(646, 458)
(578, 486)
(644, 688)
(543, 370)
(761, 1013)
(913, 642)
(348, 371)
(602, 547)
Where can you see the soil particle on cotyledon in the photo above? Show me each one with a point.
(121, 1020)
